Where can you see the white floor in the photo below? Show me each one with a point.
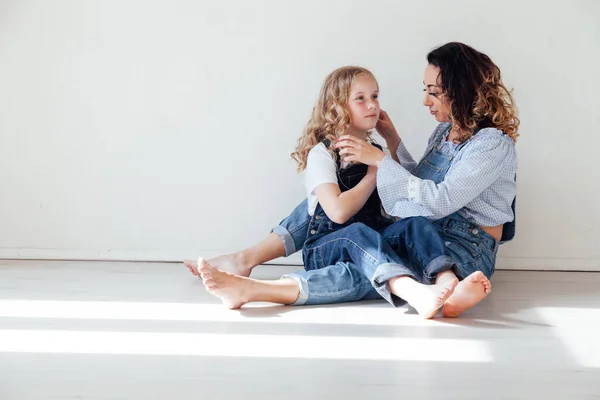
(97, 330)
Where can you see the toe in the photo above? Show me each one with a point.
(202, 269)
(210, 286)
(204, 266)
(478, 276)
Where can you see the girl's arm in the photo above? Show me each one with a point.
(340, 207)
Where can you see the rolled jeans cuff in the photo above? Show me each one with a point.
(303, 295)
(286, 237)
(440, 264)
(383, 274)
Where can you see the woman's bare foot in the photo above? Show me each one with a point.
(468, 292)
(233, 263)
(426, 299)
(231, 289)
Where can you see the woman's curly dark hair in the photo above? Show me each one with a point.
(474, 88)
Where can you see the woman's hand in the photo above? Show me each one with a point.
(386, 129)
(355, 149)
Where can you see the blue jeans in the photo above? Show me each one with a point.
(293, 230)
(355, 263)
(348, 264)
(417, 242)
(471, 248)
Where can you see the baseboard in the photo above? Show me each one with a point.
(503, 263)
(546, 263)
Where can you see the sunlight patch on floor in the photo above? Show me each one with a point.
(246, 345)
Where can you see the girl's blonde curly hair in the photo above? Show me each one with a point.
(330, 116)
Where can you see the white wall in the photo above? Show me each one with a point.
(159, 130)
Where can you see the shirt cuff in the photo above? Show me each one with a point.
(414, 189)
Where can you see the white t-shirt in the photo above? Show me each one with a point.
(321, 168)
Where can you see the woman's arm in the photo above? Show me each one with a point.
(404, 158)
(482, 162)
(398, 151)
(387, 130)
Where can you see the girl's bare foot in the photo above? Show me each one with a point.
(468, 292)
(426, 299)
(242, 262)
(233, 290)
(192, 266)
(233, 263)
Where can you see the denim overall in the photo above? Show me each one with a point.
(437, 162)
(321, 225)
(469, 246)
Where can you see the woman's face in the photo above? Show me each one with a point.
(434, 99)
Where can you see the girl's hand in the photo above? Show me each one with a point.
(355, 149)
(386, 129)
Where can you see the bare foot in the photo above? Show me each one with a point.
(192, 266)
(433, 297)
(426, 299)
(468, 292)
(233, 263)
(231, 289)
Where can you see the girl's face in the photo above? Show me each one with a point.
(434, 99)
(363, 103)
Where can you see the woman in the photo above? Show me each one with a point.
(464, 186)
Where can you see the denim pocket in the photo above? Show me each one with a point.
(461, 254)
(487, 250)
(432, 167)
(464, 238)
(320, 225)
(426, 170)
(327, 226)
